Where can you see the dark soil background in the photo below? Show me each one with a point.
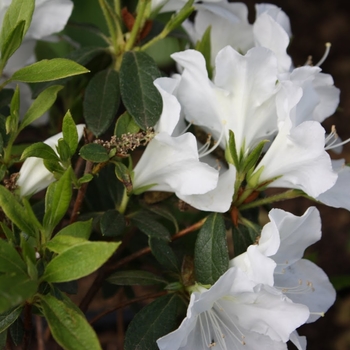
(313, 24)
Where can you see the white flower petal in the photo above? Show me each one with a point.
(306, 283)
(172, 165)
(338, 196)
(220, 198)
(297, 155)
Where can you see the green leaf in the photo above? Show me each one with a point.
(12, 120)
(125, 124)
(244, 235)
(10, 260)
(112, 223)
(59, 244)
(8, 317)
(152, 322)
(80, 229)
(16, 331)
(101, 101)
(164, 254)
(3, 340)
(15, 212)
(70, 133)
(69, 327)
(15, 289)
(79, 261)
(94, 153)
(18, 11)
(57, 200)
(204, 46)
(40, 105)
(231, 154)
(148, 225)
(13, 42)
(211, 258)
(254, 156)
(123, 175)
(40, 150)
(141, 98)
(134, 277)
(64, 151)
(46, 70)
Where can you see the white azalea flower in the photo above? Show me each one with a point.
(338, 196)
(229, 26)
(236, 313)
(33, 176)
(241, 97)
(171, 163)
(284, 240)
(298, 158)
(171, 5)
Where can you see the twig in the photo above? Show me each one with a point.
(127, 303)
(27, 325)
(39, 333)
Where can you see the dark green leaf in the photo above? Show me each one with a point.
(112, 223)
(94, 153)
(211, 258)
(80, 229)
(47, 70)
(79, 261)
(164, 254)
(8, 317)
(152, 322)
(40, 105)
(148, 225)
(141, 98)
(57, 200)
(101, 101)
(3, 339)
(69, 327)
(125, 124)
(126, 278)
(17, 331)
(244, 235)
(14, 290)
(15, 212)
(10, 260)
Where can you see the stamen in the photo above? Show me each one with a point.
(325, 55)
(331, 140)
(216, 145)
(301, 288)
(187, 127)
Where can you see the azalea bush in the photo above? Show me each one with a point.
(163, 142)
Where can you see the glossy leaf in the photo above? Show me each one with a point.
(68, 326)
(8, 317)
(15, 289)
(57, 200)
(164, 254)
(112, 223)
(141, 98)
(15, 211)
(79, 261)
(94, 153)
(80, 229)
(244, 235)
(148, 225)
(152, 322)
(40, 150)
(70, 133)
(101, 101)
(47, 70)
(211, 259)
(10, 260)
